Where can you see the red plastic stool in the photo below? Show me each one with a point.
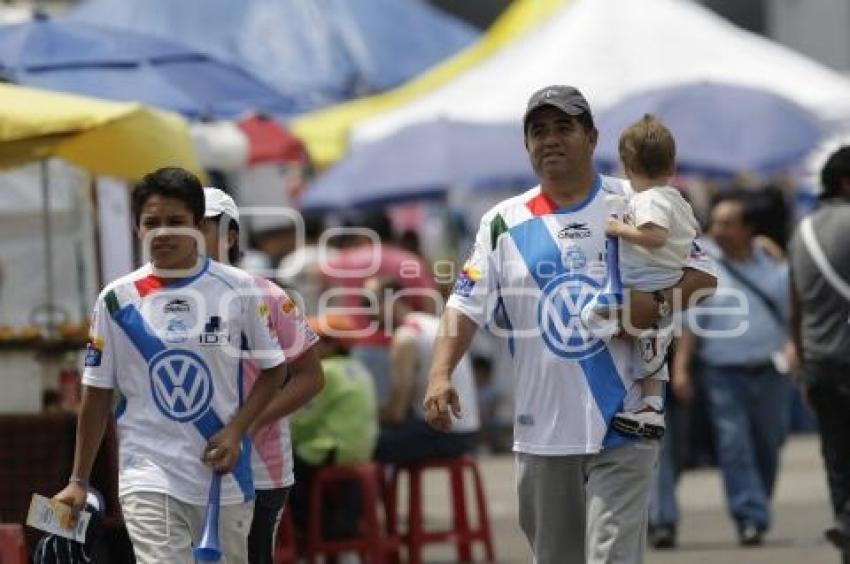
(286, 548)
(13, 546)
(461, 533)
(373, 543)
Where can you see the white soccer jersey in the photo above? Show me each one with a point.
(173, 352)
(533, 266)
(425, 327)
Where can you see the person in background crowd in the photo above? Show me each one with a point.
(663, 505)
(363, 257)
(409, 241)
(338, 426)
(405, 435)
(271, 457)
(300, 272)
(583, 488)
(489, 401)
(743, 355)
(820, 264)
(272, 238)
(771, 214)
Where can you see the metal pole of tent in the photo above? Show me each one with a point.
(48, 249)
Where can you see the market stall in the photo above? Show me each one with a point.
(49, 250)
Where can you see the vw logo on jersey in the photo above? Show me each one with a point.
(181, 384)
(559, 316)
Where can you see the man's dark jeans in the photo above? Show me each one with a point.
(415, 440)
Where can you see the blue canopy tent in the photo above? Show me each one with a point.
(319, 52)
(720, 129)
(424, 161)
(126, 66)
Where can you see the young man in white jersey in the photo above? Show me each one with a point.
(405, 436)
(170, 338)
(657, 233)
(537, 259)
(271, 458)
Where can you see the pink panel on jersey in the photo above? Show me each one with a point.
(295, 337)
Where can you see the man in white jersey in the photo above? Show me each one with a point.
(537, 259)
(271, 458)
(170, 338)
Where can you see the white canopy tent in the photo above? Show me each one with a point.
(610, 48)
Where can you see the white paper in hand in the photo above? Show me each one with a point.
(54, 517)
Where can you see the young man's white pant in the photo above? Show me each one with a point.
(591, 509)
(162, 529)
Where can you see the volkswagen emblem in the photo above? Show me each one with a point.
(181, 384)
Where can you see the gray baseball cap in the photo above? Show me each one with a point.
(568, 99)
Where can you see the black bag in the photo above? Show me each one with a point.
(53, 549)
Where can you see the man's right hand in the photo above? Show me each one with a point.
(440, 398)
(74, 496)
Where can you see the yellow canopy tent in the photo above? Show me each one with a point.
(122, 140)
(326, 132)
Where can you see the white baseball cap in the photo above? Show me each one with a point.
(218, 202)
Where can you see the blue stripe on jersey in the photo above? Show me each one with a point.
(242, 472)
(240, 375)
(139, 333)
(502, 312)
(536, 245)
(608, 391)
(208, 424)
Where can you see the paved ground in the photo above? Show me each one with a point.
(706, 535)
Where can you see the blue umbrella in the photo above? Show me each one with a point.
(318, 52)
(424, 161)
(720, 129)
(128, 66)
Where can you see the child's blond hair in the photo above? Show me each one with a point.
(647, 148)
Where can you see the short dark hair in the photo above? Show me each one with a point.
(836, 169)
(170, 182)
(314, 225)
(647, 148)
(741, 196)
(378, 221)
(234, 253)
(586, 121)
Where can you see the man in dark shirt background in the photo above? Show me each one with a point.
(820, 264)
